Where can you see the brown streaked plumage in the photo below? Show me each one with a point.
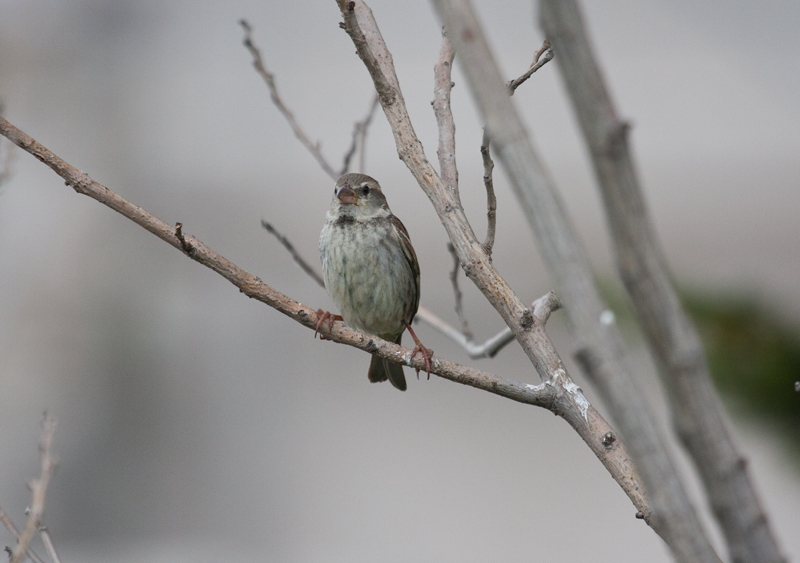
(370, 269)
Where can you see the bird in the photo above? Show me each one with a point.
(371, 271)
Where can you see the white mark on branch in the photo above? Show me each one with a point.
(607, 317)
(580, 399)
(561, 379)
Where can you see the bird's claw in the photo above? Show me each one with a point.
(427, 354)
(323, 316)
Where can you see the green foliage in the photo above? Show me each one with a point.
(754, 357)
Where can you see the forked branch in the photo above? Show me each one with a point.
(360, 25)
(254, 288)
(538, 62)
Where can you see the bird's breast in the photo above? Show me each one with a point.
(367, 275)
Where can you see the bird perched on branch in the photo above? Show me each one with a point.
(370, 270)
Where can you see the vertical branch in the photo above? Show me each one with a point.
(491, 200)
(38, 491)
(360, 25)
(359, 139)
(48, 545)
(362, 155)
(674, 516)
(697, 414)
(444, 115)
(9, 524)
(458, 295)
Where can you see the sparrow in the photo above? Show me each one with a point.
(370, 270)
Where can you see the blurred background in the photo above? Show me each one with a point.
(196, 424)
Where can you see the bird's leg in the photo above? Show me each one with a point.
(427, 353)
(323, 316)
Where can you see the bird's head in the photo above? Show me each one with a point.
(359, 195)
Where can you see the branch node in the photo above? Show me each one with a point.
(608, 440)
(526, 320)
(187, 248)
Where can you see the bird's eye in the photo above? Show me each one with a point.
(365, 189)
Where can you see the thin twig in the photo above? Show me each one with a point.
(269, 78)
(491, 200)
(538, 62)
(307, 268)
(9, 524)
(48, 544)
(38, 491)
(362, 142)
(545, 46)
(359, 138)
(458, 295)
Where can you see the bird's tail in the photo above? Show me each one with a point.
(381, 370)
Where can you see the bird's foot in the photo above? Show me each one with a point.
(322, 317)
(427, 353)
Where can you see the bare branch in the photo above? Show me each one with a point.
(491, 200)
(38, 490)
(307, 268)
(697, 414)
(535, 65)
(362, 164)
(269, 78)
(457, 292)
(359, 138)
(566, 257)
(48, 544)
(9, 524)
(253, 287)
(476, 351)
(545, 47)
(448, 171)
(360, 25)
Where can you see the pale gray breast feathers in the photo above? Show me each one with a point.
(368, 276)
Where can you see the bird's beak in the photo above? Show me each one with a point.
(346, 195)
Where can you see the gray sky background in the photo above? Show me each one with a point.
(196, 424)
